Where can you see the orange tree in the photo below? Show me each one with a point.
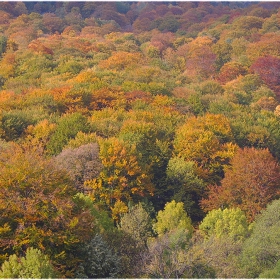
(37, 209)
(250, 183)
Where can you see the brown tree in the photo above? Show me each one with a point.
(250, 184)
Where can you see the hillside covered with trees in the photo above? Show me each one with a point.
(139, 139)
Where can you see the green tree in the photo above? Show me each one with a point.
(99, 261)
(14, 124)
(34, 265)
(3, 44)
(227, 222)
(171, 218)
(261, 250)
(271, 273)
(67, 128)
(137, 223)
(185, 186)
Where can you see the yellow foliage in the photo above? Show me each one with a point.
(118, 209)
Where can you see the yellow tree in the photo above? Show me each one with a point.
(122, 178)
(206, 140)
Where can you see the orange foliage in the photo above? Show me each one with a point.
(120, 60)
(38, 47)
(250, 183)
(105, 97)
(231, 71)
(268, 45)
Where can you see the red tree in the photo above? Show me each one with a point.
(268, 68)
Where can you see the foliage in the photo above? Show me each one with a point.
(173, 217)
(271, 273)
(34, 265)
(82, 164)
(228, 222)
(37, 208)
(137, 223)
(132, 102)
(98, 260)
(67, 128)
(185, 185)
(261, 250)
(250, 183)
(206, 141)
(122, 178)
(268, 69)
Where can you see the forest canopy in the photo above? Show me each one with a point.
(139, 139)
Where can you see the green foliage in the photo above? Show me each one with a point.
(14, 124)
(67, 128)
(185, 185)
(227, 222)
(173, 217)
(261, 250)
(137, 223)
(168, 23)
(103, 223)
(3, 44)
(34, 265)
(99, 261)
(271, 273)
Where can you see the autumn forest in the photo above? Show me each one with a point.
(139, 139)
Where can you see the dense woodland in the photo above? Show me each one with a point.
(139, 140)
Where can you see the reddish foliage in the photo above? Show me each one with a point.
(250, 184)
(231, 71)
(38, 47)
(268, 68)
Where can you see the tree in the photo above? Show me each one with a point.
(223, 52)
(250, 183)
(3, 44)
(201, 59)
(14, 124)
(99, 261)
(185, 185)
(37, 208)
(173, 217)
(137, 223)
(52, 23)
(227, 222)
(33, 265)
(271, 273)
(206, 141)
(261, 250)
(121, 60)
(246, 23)
(268, 68)
(67, 128)
(82, 164)
(231, 71)
(221, 254)
(166, 256)
(122, 178)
